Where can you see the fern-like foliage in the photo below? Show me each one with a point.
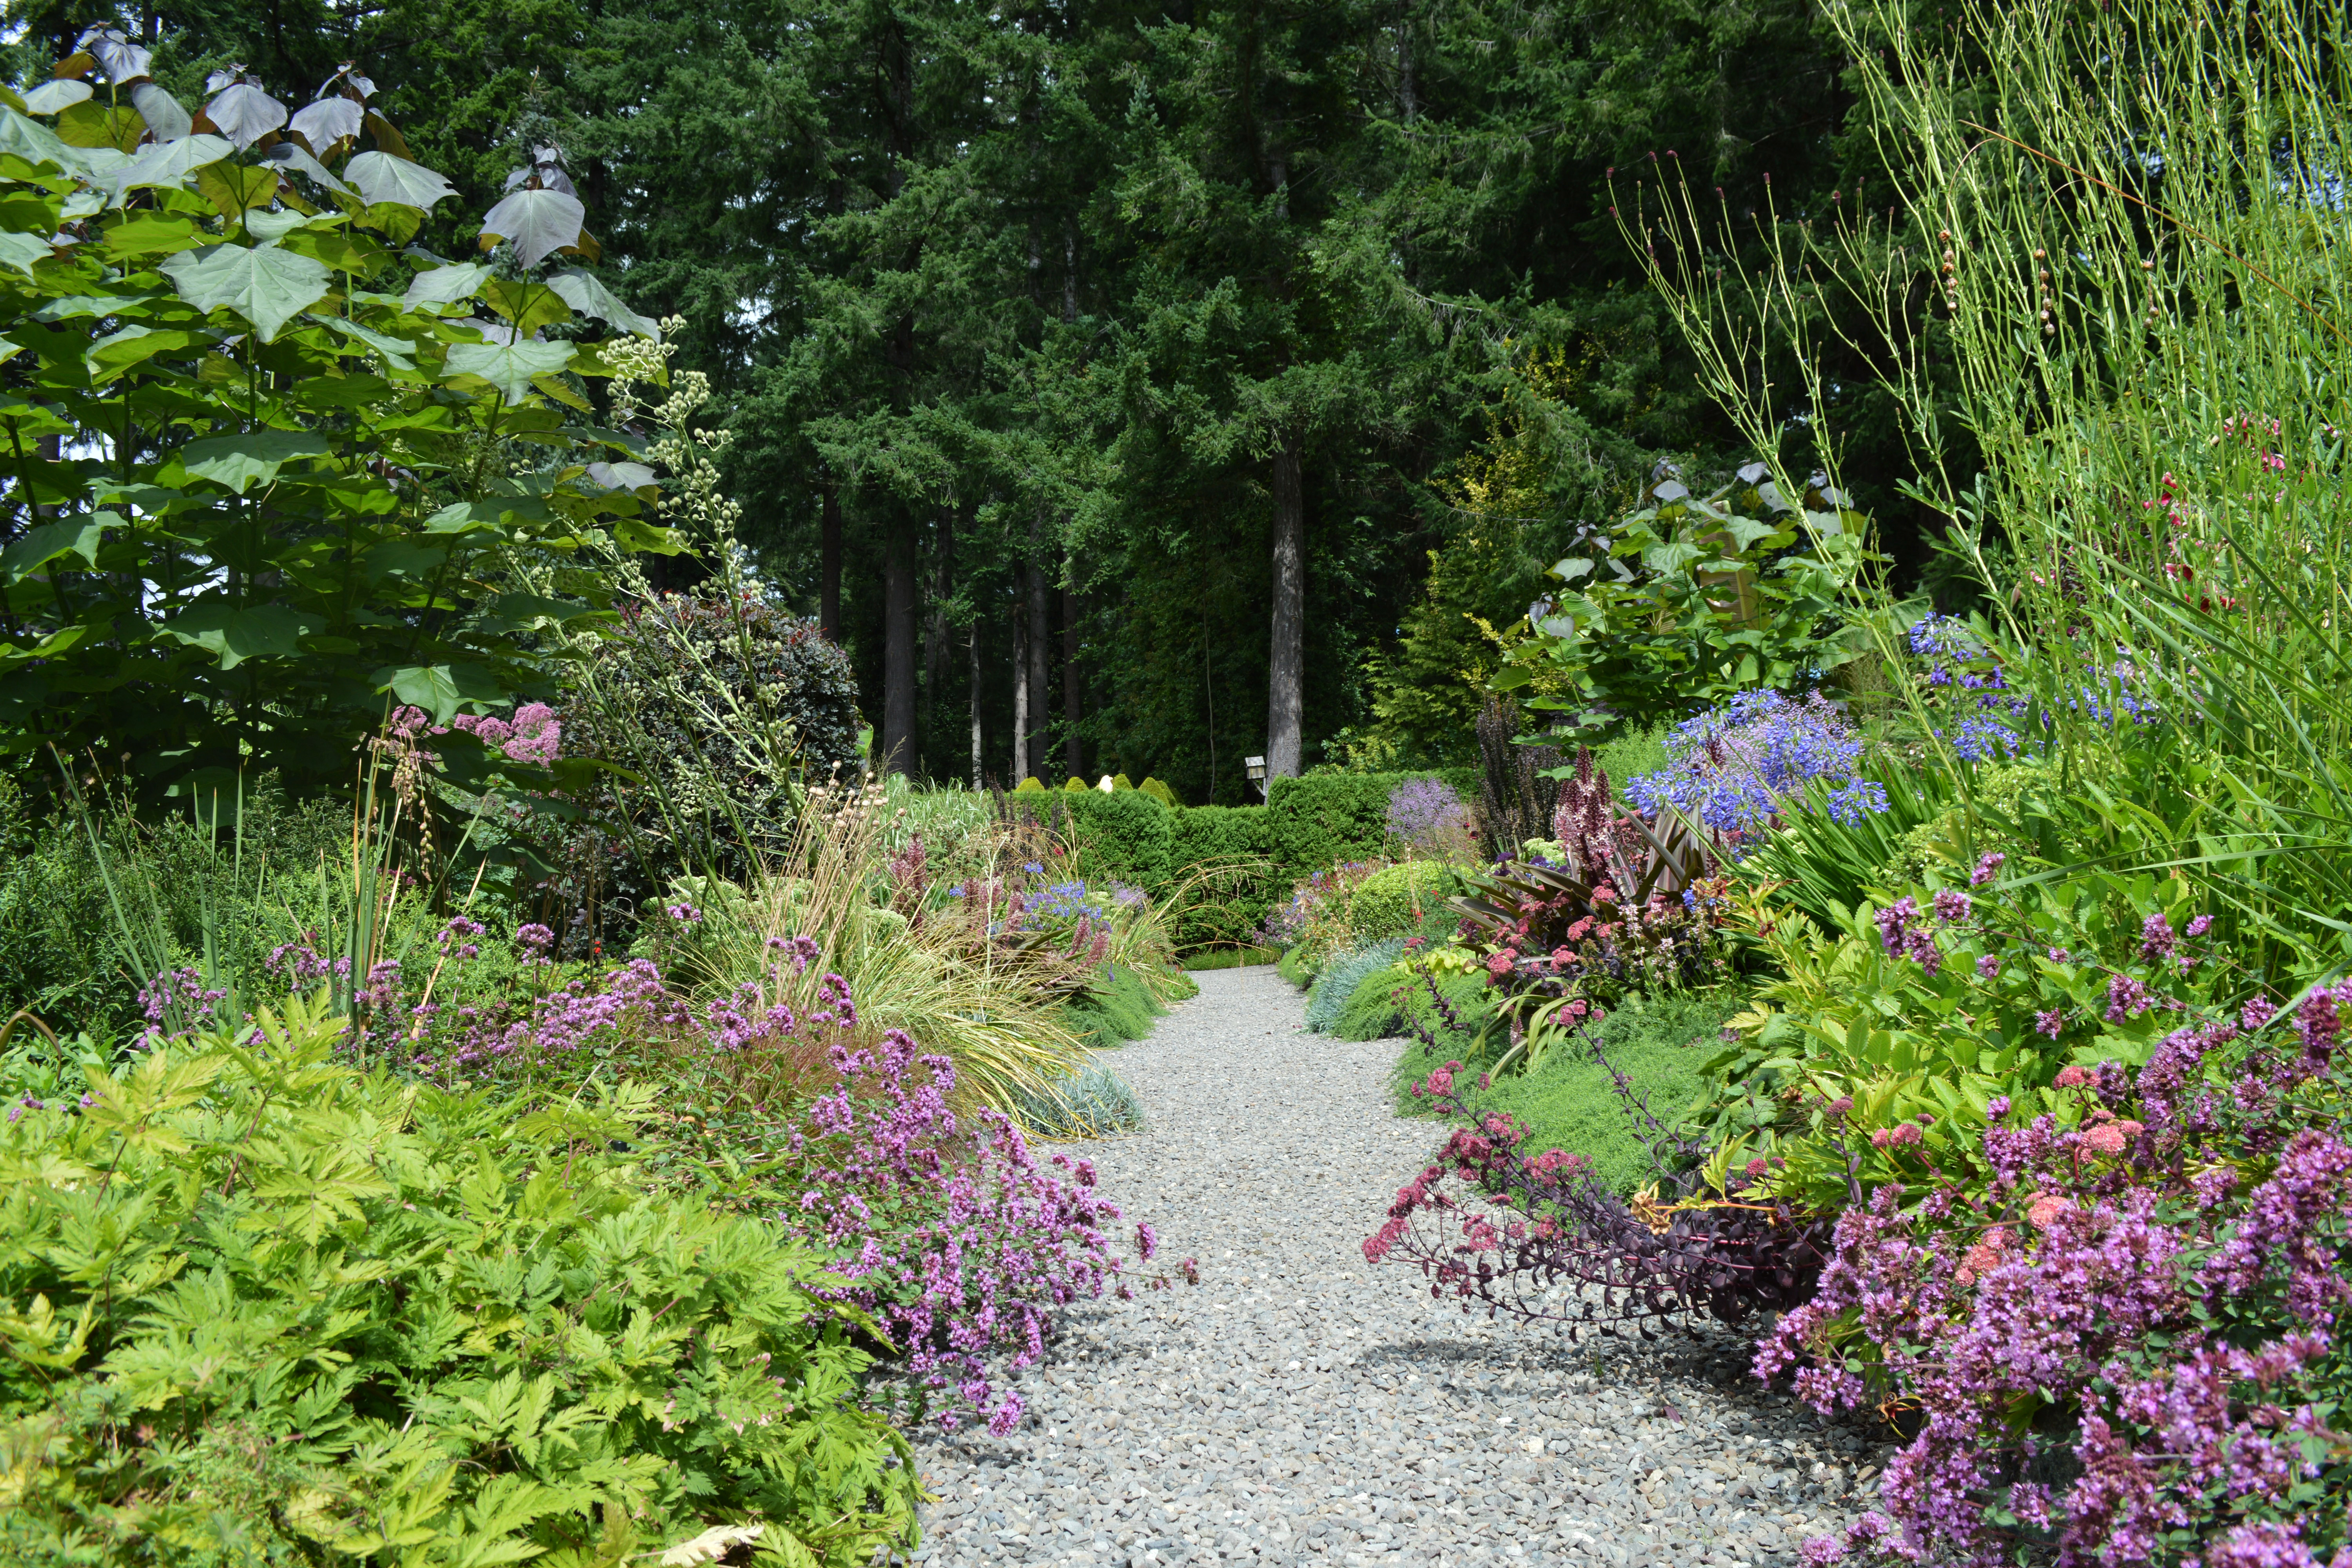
(256, 1306)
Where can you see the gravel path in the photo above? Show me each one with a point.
(1298, 1406)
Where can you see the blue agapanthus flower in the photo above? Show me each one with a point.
(1733, 769)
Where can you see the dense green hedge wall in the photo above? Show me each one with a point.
(1305, 824)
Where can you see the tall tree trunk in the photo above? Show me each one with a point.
(1285, 648)
(898, 651)
(1020, 678)
(828, 613)
(935, 638)
(979, 773)
(1041, 702)
(1074, 686)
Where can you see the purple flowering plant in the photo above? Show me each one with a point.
(1924, 1012)
(1733, 770)
(2114, 1337)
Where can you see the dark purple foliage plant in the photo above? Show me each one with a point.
(1539, 1236)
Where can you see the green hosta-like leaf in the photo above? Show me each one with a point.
(21, 250)
(240, 462)
(588, 296)
(507, 366)
(79, 536)
(234, 635)
(34, 141)
(265, 285)
(381, 177)
(444, 285)
(538, 223)
(439, 688)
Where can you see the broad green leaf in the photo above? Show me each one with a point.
(34, 141)
(537, 223)
(21, 250)
(265, 285)
(465, 517)
(443, 285)
(398, 350)
(382, 177)
(95, 124)
(236, 188)
(169, 163)
(507, 366)
(79, 536)
(118, 352)
(234, 635)
(439, 688)
(645, 538)
(154, 233)
(55, 95)
(164, 115)
(240, 462)
(527, 306)
(589, 296)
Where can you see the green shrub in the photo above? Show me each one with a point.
(1120, 1009)
(1030, 786)
(1296, 966)
(1159, 792)
(1128, 836)
(1400, 899)
(342, 1314)
(1569, 1102)
(1120, 781)
(720, 709)
(1076, 785)
(1233, 958)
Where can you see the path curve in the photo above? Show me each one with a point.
(1299, 1406)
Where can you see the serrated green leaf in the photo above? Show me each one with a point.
(265, 285)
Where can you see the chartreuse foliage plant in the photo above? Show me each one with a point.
(267, 470)
(259, 1306)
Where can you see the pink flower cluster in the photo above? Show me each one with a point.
(960, 1256)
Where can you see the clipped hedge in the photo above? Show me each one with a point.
(1241, 860)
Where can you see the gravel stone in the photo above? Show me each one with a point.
(1300, 1407)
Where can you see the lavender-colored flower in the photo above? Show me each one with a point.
(1986, 868)
(1736, 768)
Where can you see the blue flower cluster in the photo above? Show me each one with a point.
(1732, 769)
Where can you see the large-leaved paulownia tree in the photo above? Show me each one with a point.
(270, 467)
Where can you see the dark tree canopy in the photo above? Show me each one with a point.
(1073, 314)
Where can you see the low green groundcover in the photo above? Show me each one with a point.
(1568, 1101)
